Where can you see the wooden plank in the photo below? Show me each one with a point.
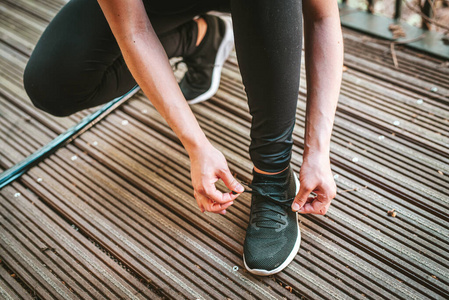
(9, 287)
(126, 187)
(73, 268)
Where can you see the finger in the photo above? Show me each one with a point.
(310, 199)
(318, 206)
(211, 192)
(231, 182)
(302, 197)
(217, 207)
(198, 198)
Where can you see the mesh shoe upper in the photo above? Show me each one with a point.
(200, 64)
(273, 227)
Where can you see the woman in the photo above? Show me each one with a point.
(93, 52)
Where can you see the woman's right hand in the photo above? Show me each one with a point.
(208, 165)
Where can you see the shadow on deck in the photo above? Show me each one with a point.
(112, 215)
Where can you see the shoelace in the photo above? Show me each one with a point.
(263, 219)
(258, 191)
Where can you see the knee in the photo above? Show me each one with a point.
(44, 95)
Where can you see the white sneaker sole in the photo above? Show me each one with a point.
(290, 257)
(222, 54)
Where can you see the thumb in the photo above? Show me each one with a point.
(231, 182)
(301, 197)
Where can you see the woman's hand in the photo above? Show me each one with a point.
(208, 165)
(149, 65)
(315, 176)
(323, 59)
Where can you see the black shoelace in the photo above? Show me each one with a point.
(258, 191)
(264, 218)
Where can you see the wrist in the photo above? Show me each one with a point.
(314, 147)
(314, 156)
(197, 145)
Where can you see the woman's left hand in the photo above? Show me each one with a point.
(315, 176)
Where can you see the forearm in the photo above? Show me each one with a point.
(324, 61)
(149, 65)
(162, 89)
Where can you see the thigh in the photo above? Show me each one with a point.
(167, 15)
(69, 63)
(77, 62)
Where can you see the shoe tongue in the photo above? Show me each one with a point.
(266, 213)
(273, 185)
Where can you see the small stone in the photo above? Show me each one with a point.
(125, 122)
(434, 89)
(355, 159)
(345, 68)
(419, 101)
(381, 137)
(440, 172)
(235, 268)
(95, 143)
(74, 157)
(17, 195)
(144, 111)
(39, 179)
(396, 123)
(336, 176)
(392, 213)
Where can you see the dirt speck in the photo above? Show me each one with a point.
(392, 213)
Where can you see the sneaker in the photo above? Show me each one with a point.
(204, 66)
(272, 237)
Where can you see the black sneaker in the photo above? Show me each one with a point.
(204, 66)
(272, 237)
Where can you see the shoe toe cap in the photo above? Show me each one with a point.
(266, 256)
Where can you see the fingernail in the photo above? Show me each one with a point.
(295, 206)
(240, 188)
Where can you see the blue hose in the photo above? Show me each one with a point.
(63, 139)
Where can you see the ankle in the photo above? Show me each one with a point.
(268, 173)
(202, 29)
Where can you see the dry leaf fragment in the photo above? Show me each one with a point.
(289, 288)
(345, 68)
(440, 172)
(397, 31)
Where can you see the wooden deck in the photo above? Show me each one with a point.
(111, 215)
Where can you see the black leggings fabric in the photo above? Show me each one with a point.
(77, 63)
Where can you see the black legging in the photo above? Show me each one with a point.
(77, 63)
